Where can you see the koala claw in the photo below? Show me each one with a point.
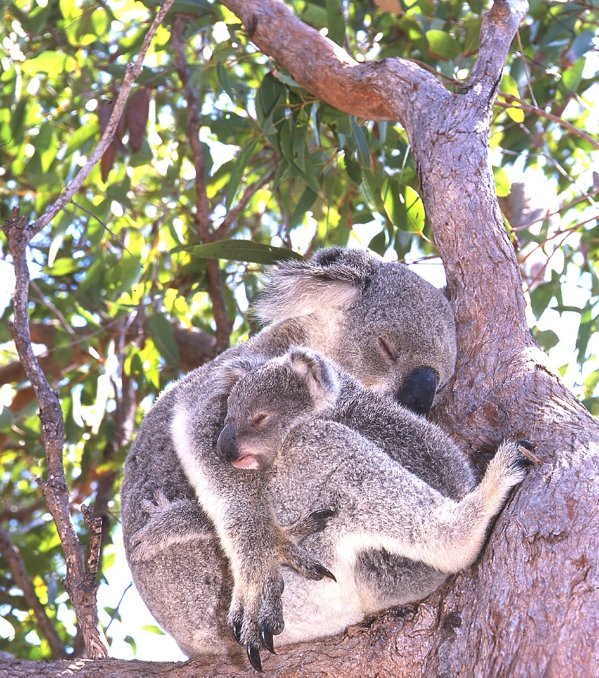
(253, 652)
(316, 521)
(266, 638)
(320, 569)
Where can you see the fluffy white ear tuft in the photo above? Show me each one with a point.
(331, 280)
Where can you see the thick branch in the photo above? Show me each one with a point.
(498, 28)
(534, 579)
(382, 90)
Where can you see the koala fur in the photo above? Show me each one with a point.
(286, 414)
(209, 539)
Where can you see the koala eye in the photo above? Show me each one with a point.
(259, 420)
(386, 351)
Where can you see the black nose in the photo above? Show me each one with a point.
(226, 445)
(418, 390)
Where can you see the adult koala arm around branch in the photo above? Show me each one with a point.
(380, 322)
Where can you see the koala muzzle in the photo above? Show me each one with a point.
(226, 444)
(418, 390)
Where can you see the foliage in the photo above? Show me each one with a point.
(128, 253)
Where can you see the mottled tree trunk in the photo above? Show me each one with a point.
(529, 607)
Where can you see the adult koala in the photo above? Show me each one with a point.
(382, 323)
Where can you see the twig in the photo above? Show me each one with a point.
(223, 229)
(51, 307)
(131, 73)
(204, 225)
(13, 557)
(510, 99)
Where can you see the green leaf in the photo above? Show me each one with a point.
(64, 266)
(237, 173)
(516, 113)
(572, 76)
(547, 339)
(394, 203)
(163, 334)
(442, 44)
(540, 298)
(414, 210)
(335, 21)
(503, 185)
(303, 205)
(360, 139)
(223, 77)
(240, 250)
(52, 63)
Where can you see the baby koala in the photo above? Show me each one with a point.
(283, 418)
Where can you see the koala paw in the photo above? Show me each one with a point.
(297, 557)
(168, 523)
(159, 504)
(314, 522)
(256, 614)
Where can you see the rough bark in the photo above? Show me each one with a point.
(529, 606)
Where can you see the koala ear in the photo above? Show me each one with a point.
(228, 373)
(318, 373)
(330, 280)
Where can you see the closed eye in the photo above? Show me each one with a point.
(387, 352)
(259, 420)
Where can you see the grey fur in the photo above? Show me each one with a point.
(184, 558)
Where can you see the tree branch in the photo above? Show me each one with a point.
(204, 225)
(497, 31)
(383, 90)
(55, 487)
(78, 584)
(502, 388)
(510, 99)
(232, 215)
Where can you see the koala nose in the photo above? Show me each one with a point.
(226, 444)
(418, 390)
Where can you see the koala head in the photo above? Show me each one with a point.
(384, 324)
(265, 403)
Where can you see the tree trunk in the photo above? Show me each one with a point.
(529, 606)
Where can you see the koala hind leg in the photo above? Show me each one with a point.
(382, 506)
(420, 524)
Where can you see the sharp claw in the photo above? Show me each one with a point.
(323, 572)
(237, 631)
(254, 657)
(266, 638)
